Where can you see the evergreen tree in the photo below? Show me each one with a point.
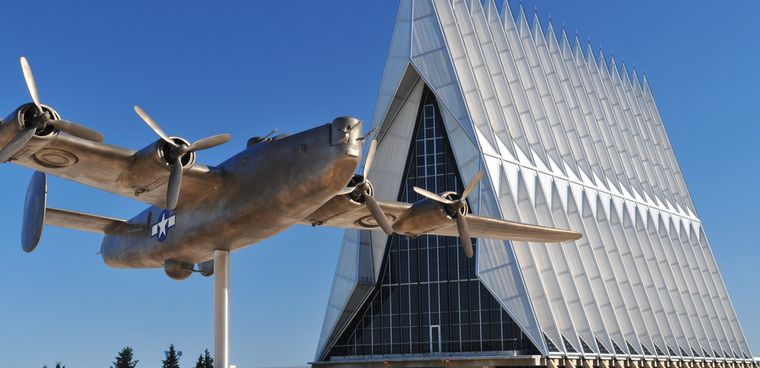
(124, 359)
(59, 365)
(208, 361)
(205, 360)
(172, 359)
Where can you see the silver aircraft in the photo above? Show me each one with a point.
(276, 182)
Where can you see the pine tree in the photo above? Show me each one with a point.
(172, 359)
(205, 360)
(208, 361)
(59, 365)
(124, 359)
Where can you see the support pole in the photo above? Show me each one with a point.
(221, 308)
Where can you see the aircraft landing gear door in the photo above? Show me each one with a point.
(435, 338)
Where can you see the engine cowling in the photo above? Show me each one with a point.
(340, 204)
(426, 215)
(16, 121)
(152, 164)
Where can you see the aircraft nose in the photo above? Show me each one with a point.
(347, 130)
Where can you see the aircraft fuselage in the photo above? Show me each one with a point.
(268, 187)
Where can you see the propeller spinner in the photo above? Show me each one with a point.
(177, 150)
(40, 120)
(365, 188)
(458, 207)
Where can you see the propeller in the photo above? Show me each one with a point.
(365, 188)
(457, 206)
(176, 152)
(40, 120)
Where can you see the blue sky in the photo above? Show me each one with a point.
(201, 68)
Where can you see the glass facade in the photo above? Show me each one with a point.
(429, 299)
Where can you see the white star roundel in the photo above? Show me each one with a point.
(160, 229)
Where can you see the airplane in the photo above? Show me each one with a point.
(276, 182)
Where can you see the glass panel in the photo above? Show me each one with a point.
(429, 298)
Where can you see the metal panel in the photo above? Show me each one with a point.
(344, 282)
(501, 274)
(575, 95)
(388, 167)
(721, 289)
(398, 59)
(567, 142)
(431, 57)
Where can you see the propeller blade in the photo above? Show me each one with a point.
(77, 130)
(209, 142)
(369, 158)
(433, 196)
(16, 144)
(174, 185)
(153, 125)
(464, 235)
(378, 214)
(472, 184)
(30, 84)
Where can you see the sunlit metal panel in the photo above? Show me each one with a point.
(567, 141)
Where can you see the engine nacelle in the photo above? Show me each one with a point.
(17, 120)
(177, 270)
(150, 166)
(339, 205)
(426, 215)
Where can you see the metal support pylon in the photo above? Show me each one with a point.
(221, 308)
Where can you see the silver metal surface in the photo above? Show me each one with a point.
(221, 308)
(567, 139)
(34, 212)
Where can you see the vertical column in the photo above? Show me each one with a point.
(221, 308)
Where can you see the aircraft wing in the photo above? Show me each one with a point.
(134, 174)
(491, 228)
(427, 219)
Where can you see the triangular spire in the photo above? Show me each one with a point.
(551, 36)
(577, 47)
(522, 21)
(590, 54)
(537, 27)
(538, 33)
(614, 71)
(602, 64)
(565, 44)
(635, 77)
(507, 19)
(578, 51)
(624, 72)
(645, 85)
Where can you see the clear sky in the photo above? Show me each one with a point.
(201, 68)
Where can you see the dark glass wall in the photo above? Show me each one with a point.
(428, 299)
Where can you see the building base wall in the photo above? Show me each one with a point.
(528, 361)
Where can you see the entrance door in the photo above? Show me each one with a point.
(435, 338)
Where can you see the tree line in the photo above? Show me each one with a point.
(125, 359)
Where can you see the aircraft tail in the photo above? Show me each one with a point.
(84, 222)
(37, 214)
